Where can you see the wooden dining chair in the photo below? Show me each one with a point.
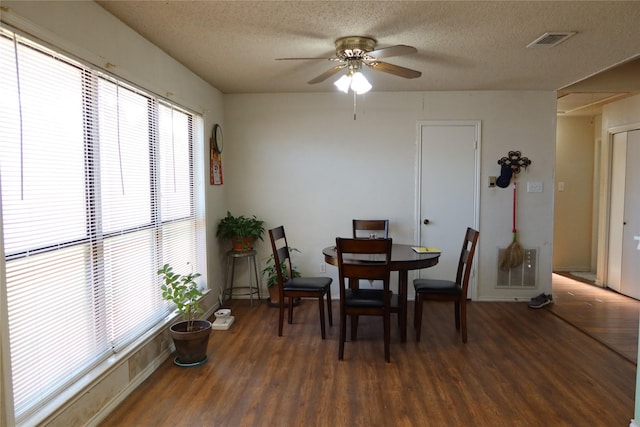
(355, 263)
(368, 228)
(364, 228)
(297, 287)
(447, 290)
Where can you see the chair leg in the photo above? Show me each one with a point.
(463, 320)
(329, 310)
(290, 320)
(354, 327)
(280, 316)
(457, 314)
(387, 337)
(321, 309)
(343, 333)
(417, 316)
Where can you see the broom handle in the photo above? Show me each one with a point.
(514, 210)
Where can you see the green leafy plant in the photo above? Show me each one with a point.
(238, 228)
(270, 273)
(183, 291)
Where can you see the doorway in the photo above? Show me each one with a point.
(576, 193)
(600, 229)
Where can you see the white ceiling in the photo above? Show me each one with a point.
(462, 45)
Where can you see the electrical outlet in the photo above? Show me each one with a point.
(323, 268)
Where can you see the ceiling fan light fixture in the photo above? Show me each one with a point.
(359, 83)
(343, 83)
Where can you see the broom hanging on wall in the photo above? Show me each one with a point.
(513, 255)
(511, 165)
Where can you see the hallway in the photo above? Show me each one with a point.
(605, 315)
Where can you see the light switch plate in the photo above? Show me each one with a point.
(534, 187)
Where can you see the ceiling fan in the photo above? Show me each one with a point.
(353, 52)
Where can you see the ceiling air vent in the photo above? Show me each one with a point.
(550, 39)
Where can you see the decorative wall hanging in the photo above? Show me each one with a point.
(509, 166)
(215, 157)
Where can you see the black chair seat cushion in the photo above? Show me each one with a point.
(434, 286)
(310, 284)
(364, 298)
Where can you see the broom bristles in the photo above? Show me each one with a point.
(511, 257)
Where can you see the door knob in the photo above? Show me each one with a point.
(425, 222)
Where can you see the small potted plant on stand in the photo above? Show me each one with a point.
(271, 276)
(191, 336)
(241, 230)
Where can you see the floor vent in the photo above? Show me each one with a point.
(522, 276)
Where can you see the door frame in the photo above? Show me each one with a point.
(473, 281)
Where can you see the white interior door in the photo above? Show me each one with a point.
(630, 270)
(616, 210)
(448, 191)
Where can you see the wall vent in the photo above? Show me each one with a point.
(523, 276)
(550, 39)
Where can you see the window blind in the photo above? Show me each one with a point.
(97, 183)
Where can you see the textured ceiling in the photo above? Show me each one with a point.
(462, 45)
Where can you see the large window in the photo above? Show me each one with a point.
(97, 185)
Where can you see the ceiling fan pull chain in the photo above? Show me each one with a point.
(354, 105)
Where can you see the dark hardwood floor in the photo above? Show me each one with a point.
(603, 314)
(521, 367)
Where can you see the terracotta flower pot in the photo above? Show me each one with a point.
(242, 244)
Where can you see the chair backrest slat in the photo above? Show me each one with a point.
(368, 226)
(466, 258)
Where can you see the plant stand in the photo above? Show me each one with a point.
(252, 266)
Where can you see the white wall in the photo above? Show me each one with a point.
(302, 161)
(85, 30)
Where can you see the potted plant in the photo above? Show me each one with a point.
(190, 336)
(271, 276)
(241, 230)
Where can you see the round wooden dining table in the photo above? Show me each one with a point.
(403, 259)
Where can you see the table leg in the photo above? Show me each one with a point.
(403, 278)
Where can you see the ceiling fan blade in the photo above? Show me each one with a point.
(330, 72)
(396, 50)
(397, 70)
(297, 59)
